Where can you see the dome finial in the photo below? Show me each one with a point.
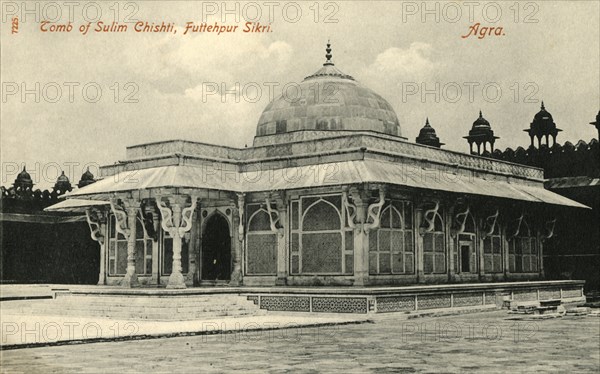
(328, 55)
(427, 122)
(543, 107)
(480, 114)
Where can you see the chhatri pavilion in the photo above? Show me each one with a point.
(329, 194)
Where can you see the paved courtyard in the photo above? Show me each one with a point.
(483, 342)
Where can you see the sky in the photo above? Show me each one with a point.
(72, 100)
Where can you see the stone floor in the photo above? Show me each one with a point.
(483, 342)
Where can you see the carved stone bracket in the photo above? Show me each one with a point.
(518, 221)
(120, 218)
(549, 229)
(151, 220)
(275, 214)
(125, 217)
(95, 219)
(460, 220)
(489, 224)
(428, 223)
(374, 212)
(175, 220)
(350, 210)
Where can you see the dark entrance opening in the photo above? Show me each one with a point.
(216, 249)
(465, 255)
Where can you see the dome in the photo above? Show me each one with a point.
(481, 134)
(328, 100)
(427, 136)
(23, 180)
(62, 178)
(542, 124)
(24, 177)
(543, 114)
(481, 126)
(63, 183)
(86, 178)
(481, 130)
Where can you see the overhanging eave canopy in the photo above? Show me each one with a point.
(75, 205)
(319, 175)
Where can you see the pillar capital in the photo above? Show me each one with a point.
(176, 215)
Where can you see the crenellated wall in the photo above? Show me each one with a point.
(567, 160)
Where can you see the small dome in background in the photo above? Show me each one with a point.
(86, 178)
(63, 184)
(23, 180)
(542, 126)
(481, 133)
(24, 176)
(427, 136)
(480, 126)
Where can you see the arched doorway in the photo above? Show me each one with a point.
(216, 249)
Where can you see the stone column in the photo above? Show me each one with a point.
(541, 238)
(362, 219)
(282, 243)
(361, 257)
(236, 273)
(427, 224)
(453, 243)
(480, 253)
(125, 224)
(193, 250)
(96, 220)
(176, 221)
(418, 218)
(132, 207)
(150, 209)
(505, 253)
(356, 219)
(176, 279)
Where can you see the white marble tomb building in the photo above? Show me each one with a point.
(330, 193)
